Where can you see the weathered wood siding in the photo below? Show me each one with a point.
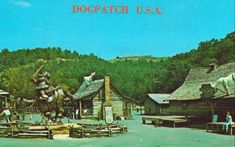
(151, 107)
(97, 104)
(198, 108)
(121, 107)
(194, 108)
(118, 103)
(202, 108)
(164, 110)
(127, 107)
(224, 105)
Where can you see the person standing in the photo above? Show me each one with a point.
(7, 114)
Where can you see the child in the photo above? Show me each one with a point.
(7, 114)
(228, 122)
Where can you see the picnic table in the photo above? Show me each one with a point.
(216, 127)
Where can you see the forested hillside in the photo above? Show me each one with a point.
(134, 77)
(25, 56)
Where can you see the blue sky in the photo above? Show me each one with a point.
(51, 23)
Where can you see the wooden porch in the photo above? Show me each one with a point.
(167, 120)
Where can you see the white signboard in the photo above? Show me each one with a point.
(108, 115)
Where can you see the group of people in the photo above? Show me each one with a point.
(73, 114)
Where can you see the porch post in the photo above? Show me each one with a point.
(5, 102)
(80, 108)
(187, 110)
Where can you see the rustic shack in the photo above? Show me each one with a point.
(4, 96)
(189, 100)
(156, 104)
(90, 100)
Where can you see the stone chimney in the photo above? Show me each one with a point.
(107, 101)
(107, 88)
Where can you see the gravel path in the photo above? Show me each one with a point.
(139, 135)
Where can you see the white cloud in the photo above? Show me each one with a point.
(21, 3)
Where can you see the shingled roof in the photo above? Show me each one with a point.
(198, 76)
(94, 87)
(159, 98)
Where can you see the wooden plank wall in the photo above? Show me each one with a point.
(150, 107)
(120, 106)
(97, 104)
(117, 103)
(225, 105)
(195, 108)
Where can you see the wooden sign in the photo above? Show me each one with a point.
(108, 115)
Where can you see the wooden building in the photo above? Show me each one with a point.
(156, 104)
(90, 101)
(188, 98)
(4, 99)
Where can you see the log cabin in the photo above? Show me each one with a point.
(156, 104)
(90, 101)
(4, 96)
(189, 100)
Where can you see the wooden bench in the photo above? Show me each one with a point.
(217, 126)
